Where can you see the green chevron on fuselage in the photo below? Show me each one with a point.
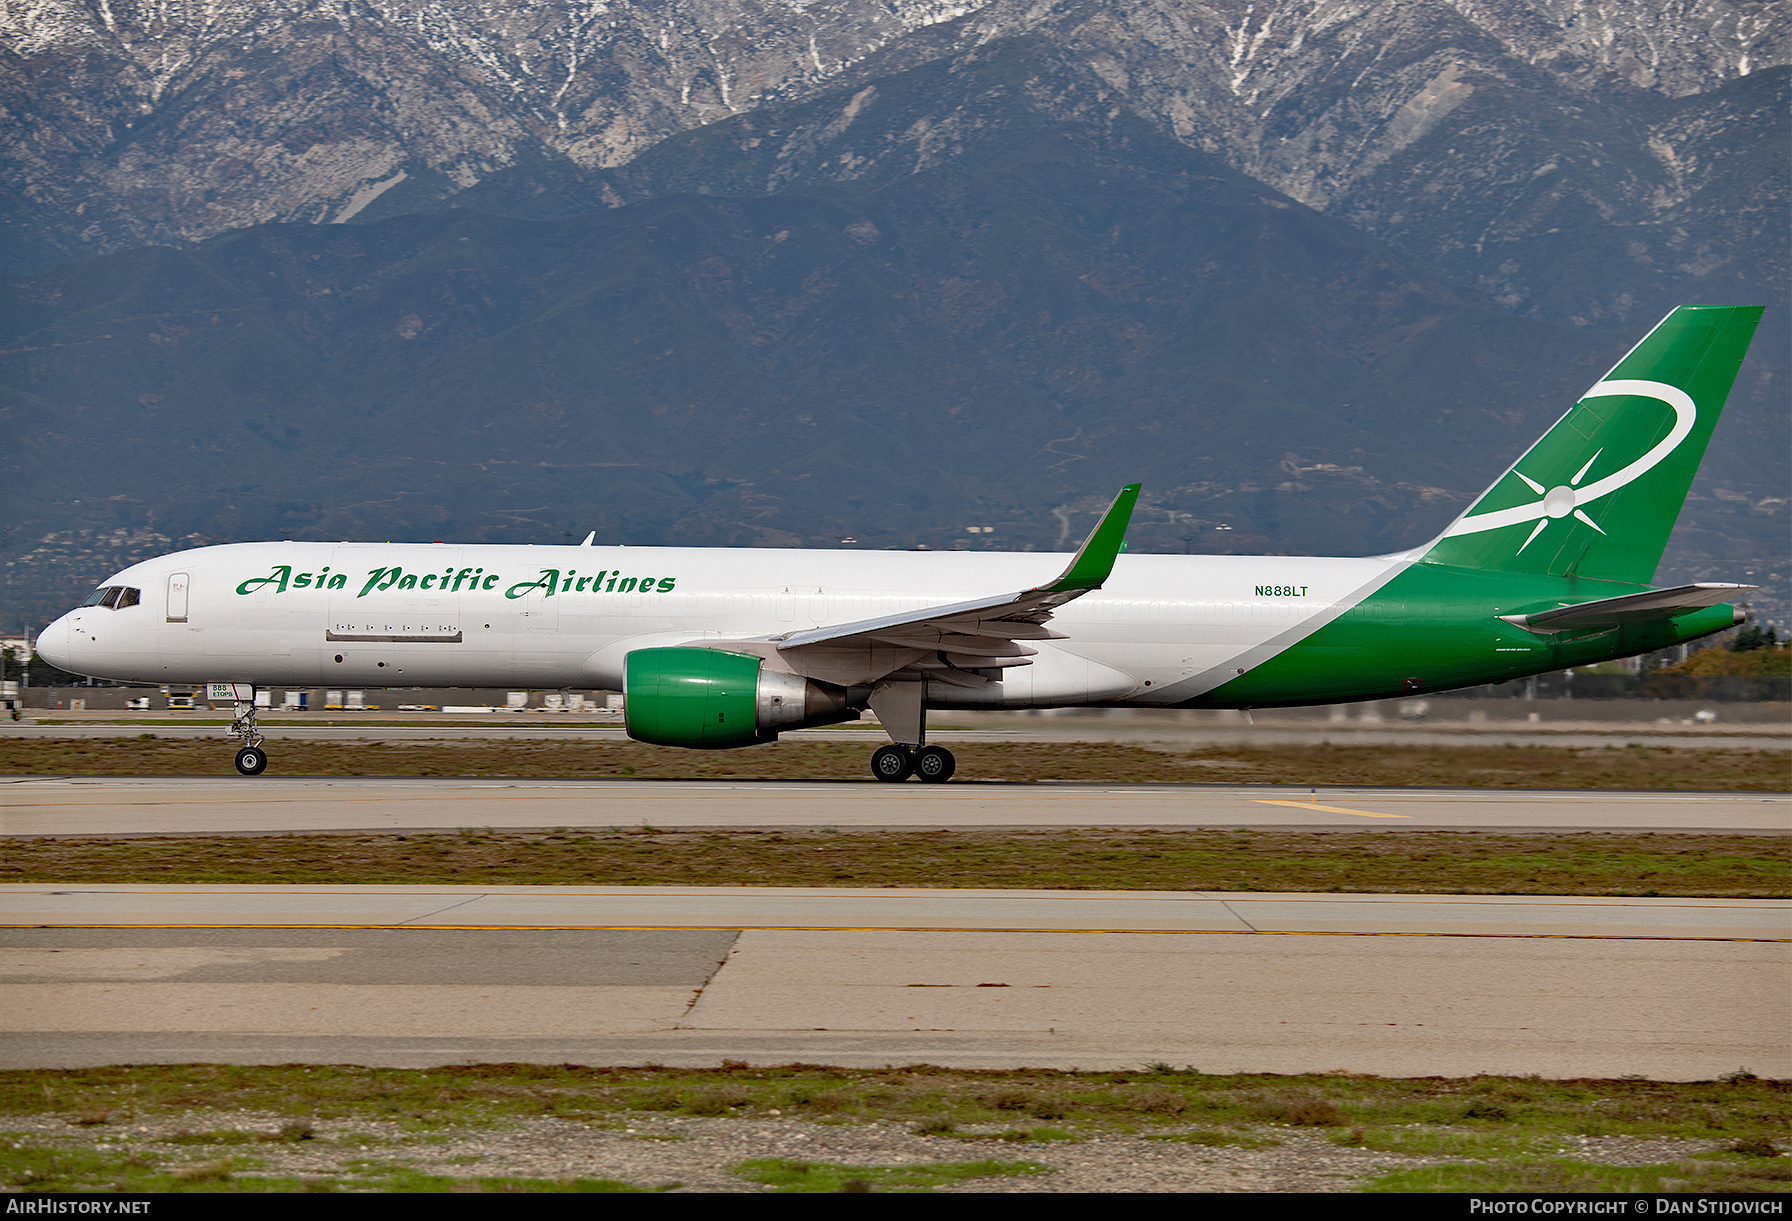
(1440, 625)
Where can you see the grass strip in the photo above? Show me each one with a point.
(1491, 1113)
(1439, 862)
(1318, 763)
(141, 1128)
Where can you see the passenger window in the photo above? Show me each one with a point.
(126, 597)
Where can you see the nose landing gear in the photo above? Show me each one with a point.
(251, 760)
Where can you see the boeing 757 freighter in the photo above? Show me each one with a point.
(1550, 567)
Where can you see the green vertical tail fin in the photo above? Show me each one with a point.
(1598, 495)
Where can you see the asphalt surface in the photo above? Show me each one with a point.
(1392, 985)
(221, 805)
(1399, 985)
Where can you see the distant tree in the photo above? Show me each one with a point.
(1753, 637)
(1711, 663)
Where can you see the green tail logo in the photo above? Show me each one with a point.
(1598, 495)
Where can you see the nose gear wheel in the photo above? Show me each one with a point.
(251, 760)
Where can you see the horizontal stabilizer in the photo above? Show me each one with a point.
(1629, 608)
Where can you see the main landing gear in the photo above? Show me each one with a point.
(901, 709)
(251, 760)
(933, 764)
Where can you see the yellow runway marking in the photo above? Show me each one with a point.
(1308, 805)
(918, 928)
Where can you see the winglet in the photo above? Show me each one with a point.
(1095, 558)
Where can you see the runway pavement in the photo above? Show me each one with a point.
(417, 975)
(421, 975)
(224, 805)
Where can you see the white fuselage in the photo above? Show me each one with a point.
(412, 615)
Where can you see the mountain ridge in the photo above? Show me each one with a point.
(132, 124)
(1030, 329)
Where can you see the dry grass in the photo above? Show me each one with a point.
(1458, 862)
(1741, 1109)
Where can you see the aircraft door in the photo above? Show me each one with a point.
(177, 597)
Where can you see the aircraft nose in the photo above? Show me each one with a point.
(53, 645)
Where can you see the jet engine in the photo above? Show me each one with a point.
(710, 699)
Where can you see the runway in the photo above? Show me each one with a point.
(228, 805)
(422, 975)
(1400, 985)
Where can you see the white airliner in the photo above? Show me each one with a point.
(720, 648)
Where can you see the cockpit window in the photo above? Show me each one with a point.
(113, 597)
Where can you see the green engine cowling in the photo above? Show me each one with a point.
(709, 699)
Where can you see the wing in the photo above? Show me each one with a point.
(951, 643)
(1629, 608)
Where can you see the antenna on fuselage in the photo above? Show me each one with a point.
(588, 539)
